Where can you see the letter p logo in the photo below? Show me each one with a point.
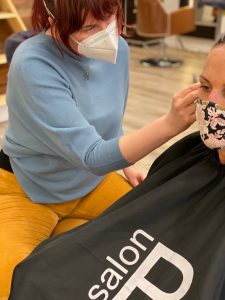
(138, 280)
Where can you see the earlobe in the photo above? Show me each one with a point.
(50, 20)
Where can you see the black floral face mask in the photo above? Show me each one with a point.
(211, 120)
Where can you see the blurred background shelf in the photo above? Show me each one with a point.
(3, 109)
(6, 15)
(2, 59)
(10, 22)
(2, 100)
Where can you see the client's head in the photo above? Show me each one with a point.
(210, 111)
(212, 78)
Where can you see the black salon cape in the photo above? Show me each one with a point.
(181, 205)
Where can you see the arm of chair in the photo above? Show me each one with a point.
(182, 20)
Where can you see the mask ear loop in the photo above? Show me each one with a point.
(48, 11)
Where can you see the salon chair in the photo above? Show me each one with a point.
(154, 21)
(13, 41)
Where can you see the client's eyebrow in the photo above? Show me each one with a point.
(205, 79)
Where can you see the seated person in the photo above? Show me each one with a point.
(162, 240)
(67, 91)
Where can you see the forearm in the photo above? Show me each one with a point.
(138, 144)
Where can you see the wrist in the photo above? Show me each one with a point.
(169, 126)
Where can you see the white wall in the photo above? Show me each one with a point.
(171, 5)
(3, 114)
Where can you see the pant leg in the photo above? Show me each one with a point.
(112, 188)
(23, 225)
(67, 224)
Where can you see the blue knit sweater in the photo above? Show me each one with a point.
(65, 116)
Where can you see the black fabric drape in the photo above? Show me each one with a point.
(164, 240)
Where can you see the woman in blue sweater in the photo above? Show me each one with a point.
(66, 95)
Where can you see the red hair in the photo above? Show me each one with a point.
(70, 16)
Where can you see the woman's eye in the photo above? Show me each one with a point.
(205, 88)
(89, 29)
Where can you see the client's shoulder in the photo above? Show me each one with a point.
(188, 142)
(185, 147)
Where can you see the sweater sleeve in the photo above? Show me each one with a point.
(47, 108)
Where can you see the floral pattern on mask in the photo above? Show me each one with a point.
(211, 120)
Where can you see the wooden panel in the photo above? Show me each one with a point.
(23, 8)
(182, 20)
(3, 78)
(5, 30)
(152, 20)
(10, 21)
(15, 23)
(6, 15)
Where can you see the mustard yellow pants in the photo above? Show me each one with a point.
(24, 224)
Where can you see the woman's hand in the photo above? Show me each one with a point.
(133, 176)
(141, 142)
(182, 112)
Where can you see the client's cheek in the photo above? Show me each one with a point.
(216, 97)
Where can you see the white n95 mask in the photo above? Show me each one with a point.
(103, 45)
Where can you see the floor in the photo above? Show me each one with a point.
(151, 88)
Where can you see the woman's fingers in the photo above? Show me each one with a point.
(185, 101)
(182, 113)
(192, 118)
(190, 89)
